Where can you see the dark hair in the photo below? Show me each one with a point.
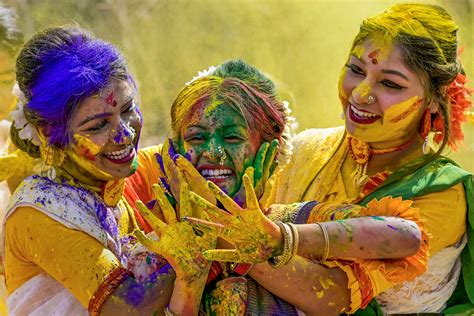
(427, 36)
(57, 69)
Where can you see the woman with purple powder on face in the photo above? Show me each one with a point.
(69, 238)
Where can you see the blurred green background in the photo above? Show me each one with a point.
(301, 44)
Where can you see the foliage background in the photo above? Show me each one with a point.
(301, 44)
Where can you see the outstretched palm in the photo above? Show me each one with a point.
(254, 236)
(178, 243)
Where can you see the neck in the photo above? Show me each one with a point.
(81, 175)
(394, 157)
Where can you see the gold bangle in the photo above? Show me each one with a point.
(325, 255)
(296, 240)
(288, 245)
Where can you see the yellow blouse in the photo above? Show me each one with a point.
(35, 243)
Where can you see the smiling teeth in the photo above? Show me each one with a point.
(216, 173)
(119, 154)
(362, 114)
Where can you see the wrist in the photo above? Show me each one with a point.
(186, 297)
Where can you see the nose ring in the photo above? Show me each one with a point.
(222, 155)
(370, 99)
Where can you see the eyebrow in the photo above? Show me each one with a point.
(385, 71)
(106, 114)
(94, 117)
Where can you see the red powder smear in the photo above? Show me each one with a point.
(411, 109)
(374, 53)
(374, 61)
(86, 152)
(110, 100)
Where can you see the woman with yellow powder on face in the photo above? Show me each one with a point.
(402, 85)
(69, 237)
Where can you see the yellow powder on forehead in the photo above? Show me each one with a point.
(358, 51)
(212, 106)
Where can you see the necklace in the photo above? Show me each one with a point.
(361, 152)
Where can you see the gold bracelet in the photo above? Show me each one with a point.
(296, 239)
(325, 255)
(288, 245)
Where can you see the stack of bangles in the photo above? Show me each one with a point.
(290, 244)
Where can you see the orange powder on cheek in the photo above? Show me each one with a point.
(86, 147)
(403, 111)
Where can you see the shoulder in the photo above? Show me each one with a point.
(148, 153)
(318, 136)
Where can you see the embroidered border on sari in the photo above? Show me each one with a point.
(112, 281)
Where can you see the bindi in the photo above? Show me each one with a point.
(110, 100)
(373, 56)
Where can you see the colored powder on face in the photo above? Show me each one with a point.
(134, 164)
(393, 113)
(412, 108)
(320, 294)
(86, 147)
(363, 89)
(211, 107)
(125, 133)
(358, 51)
(110, 100)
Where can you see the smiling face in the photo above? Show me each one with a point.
(220, 144)
(105, 131)
(392, 117)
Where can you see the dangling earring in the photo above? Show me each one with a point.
(438, 127)
(425, 130)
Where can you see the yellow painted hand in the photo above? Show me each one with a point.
(254, 236)
(178, 243)
(196, 181)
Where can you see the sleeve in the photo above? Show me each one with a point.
(138, 185)
(444, 215)
(36, 243)
(368, 278)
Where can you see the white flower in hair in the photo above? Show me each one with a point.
(26, 130)
(203, 73)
